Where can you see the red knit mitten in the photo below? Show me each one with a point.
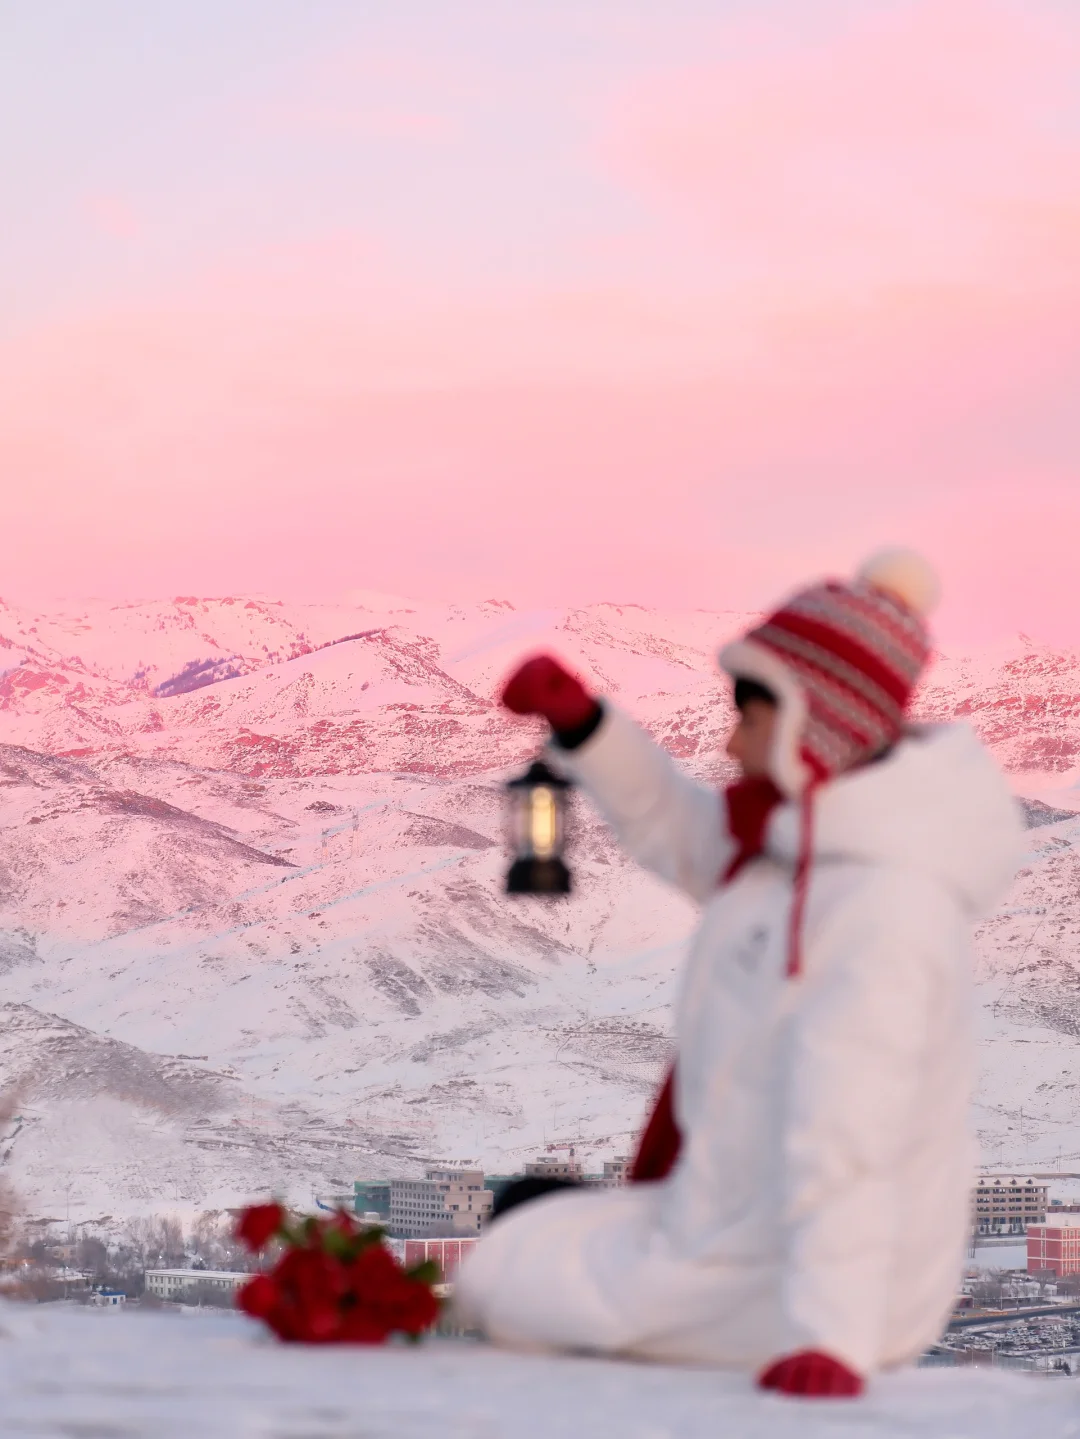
(812, 1376)
(542, 687)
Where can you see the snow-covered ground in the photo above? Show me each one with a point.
(78, 1374)
(989, 1257)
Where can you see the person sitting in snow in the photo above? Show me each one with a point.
(800, 1200)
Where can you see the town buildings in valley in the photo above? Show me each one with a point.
(571, 1169)
(1007, 1205)
(454, 1201)
(547, 1166)
(447, 1254)
(1053, 1247)
(183, 1284)
(371, 1198)
(448, 1201)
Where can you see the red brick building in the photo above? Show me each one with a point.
(1055, 1246)
(447, 1253)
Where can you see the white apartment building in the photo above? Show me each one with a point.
(447, 1201)
(616, 1173)
(176, 1284)
(1006, 1205)
(548, 1167)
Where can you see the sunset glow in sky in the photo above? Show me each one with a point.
(594, 299)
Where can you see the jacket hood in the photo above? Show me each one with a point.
(937, 804)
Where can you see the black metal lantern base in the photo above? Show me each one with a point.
(538, 876)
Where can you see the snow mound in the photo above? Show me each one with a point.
(70, 1372)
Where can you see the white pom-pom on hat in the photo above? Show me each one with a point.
(906, 575)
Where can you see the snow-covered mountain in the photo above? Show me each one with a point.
(252, 928)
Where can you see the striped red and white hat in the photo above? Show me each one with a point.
(842, 659)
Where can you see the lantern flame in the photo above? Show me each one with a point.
(543, 822)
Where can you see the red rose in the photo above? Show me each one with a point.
(258, 1225)
(415, 1309)
(386, 1293)
(375, 1268)
(334, 1283)
(311, 1286)
(359, 1327)
(321, 1323)
(258, 1296)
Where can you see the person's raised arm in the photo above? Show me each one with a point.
(664, 819)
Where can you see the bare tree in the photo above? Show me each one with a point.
(211, 1240)
(208, 1295)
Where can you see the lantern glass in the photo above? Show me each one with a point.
(538, 832)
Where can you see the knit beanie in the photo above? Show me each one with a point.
(842, 659)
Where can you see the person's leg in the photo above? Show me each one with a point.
(522, 1190)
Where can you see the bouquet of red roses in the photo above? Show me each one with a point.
(335, 1283)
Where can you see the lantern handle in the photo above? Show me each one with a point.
(540, 773)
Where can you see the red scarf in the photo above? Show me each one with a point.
(749, 803)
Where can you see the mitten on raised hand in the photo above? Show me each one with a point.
(541, 686)
(811, 1375)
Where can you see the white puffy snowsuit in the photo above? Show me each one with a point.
(821, 1196)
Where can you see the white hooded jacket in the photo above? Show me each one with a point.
(821, 1197)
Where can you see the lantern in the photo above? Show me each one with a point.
(538, 830)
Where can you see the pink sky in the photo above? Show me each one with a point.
(618, 302)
